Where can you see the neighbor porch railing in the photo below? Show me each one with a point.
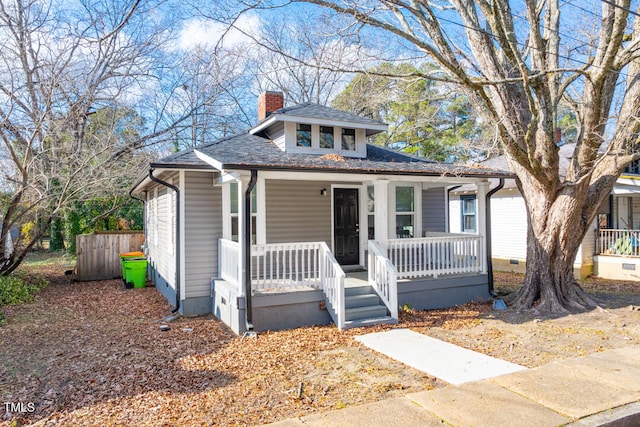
(618, 242)
(383, 278)
(437, 254)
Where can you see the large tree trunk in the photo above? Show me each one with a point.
(558, 222)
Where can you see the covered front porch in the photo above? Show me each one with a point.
(297, 284)
(288, 239)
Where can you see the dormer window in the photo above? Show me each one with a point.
(303, 135)
(326, 137)
(348, 139)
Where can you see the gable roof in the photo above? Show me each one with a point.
(310, 112)
(247, 151)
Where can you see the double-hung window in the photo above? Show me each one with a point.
(468, 212)
(405, 212)
(233, 194)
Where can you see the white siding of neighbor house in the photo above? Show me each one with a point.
(588, 247)
(433, 209)
(203, 228)
(508, 225)
(296, 212)
(160, 230)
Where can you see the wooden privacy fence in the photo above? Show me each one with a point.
(98, 254)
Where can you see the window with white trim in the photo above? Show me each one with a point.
(371, 213)
(468, 213)
(405, 212)
(233, 196)
(326, 137)
(303, 135)
(348, 139)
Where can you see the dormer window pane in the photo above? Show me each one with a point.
(303, 135)
(326, 137)
(348, 139)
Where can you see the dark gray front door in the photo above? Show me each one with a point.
(346, 233)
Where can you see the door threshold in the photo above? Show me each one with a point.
(352, 268)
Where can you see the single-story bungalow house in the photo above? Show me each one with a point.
(610, 249)
(299, 221)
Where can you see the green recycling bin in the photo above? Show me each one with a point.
(135, 272)
(129, 255)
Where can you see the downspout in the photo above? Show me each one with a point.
(247, 249)
(177, 250)
(488, 220)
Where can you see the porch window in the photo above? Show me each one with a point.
(348, 139)
(233, 194)
(371, 211)
(303, 135)
(326, 137)
(404, 212)
(468, 213)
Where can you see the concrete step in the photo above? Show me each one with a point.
(360, 313)
(358, 290)
(363, 300)
(370, 322)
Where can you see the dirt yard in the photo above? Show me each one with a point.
(92, 353)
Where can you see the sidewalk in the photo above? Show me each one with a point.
(601, 389)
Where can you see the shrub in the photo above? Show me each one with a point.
(19, 288)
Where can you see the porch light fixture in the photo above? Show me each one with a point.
(323, 192)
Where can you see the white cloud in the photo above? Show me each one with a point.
(204, 33)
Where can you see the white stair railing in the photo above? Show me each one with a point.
(332, 280)
(437, 255)
(383, 278)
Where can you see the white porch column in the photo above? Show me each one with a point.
(381, 223)
(483, 188)
(243, 182)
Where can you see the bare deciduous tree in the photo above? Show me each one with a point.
(518, 62)
(60, 65)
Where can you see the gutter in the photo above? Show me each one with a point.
(247, 249)
(488, 221)
(177, 250)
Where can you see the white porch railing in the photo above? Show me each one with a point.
(228, 260)
(383, 278)
(436, 255)
(286, 266)
(332, 279)
(618, 242)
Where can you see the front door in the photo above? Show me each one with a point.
(346, 232)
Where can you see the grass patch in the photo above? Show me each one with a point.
(46, 259)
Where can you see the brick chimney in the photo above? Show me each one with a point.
(268, 102)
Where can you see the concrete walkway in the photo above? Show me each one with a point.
(448, 362)
(601, 389)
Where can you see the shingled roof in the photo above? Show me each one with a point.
(246, 151)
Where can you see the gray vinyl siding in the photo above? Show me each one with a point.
(160, 254)
(296, 212)
(203, 228)
(434, 214)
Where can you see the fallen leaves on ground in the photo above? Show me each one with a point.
(92, 353)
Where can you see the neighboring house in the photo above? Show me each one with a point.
(274, 228)
(610, 249)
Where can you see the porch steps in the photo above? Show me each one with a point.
(363, 308)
